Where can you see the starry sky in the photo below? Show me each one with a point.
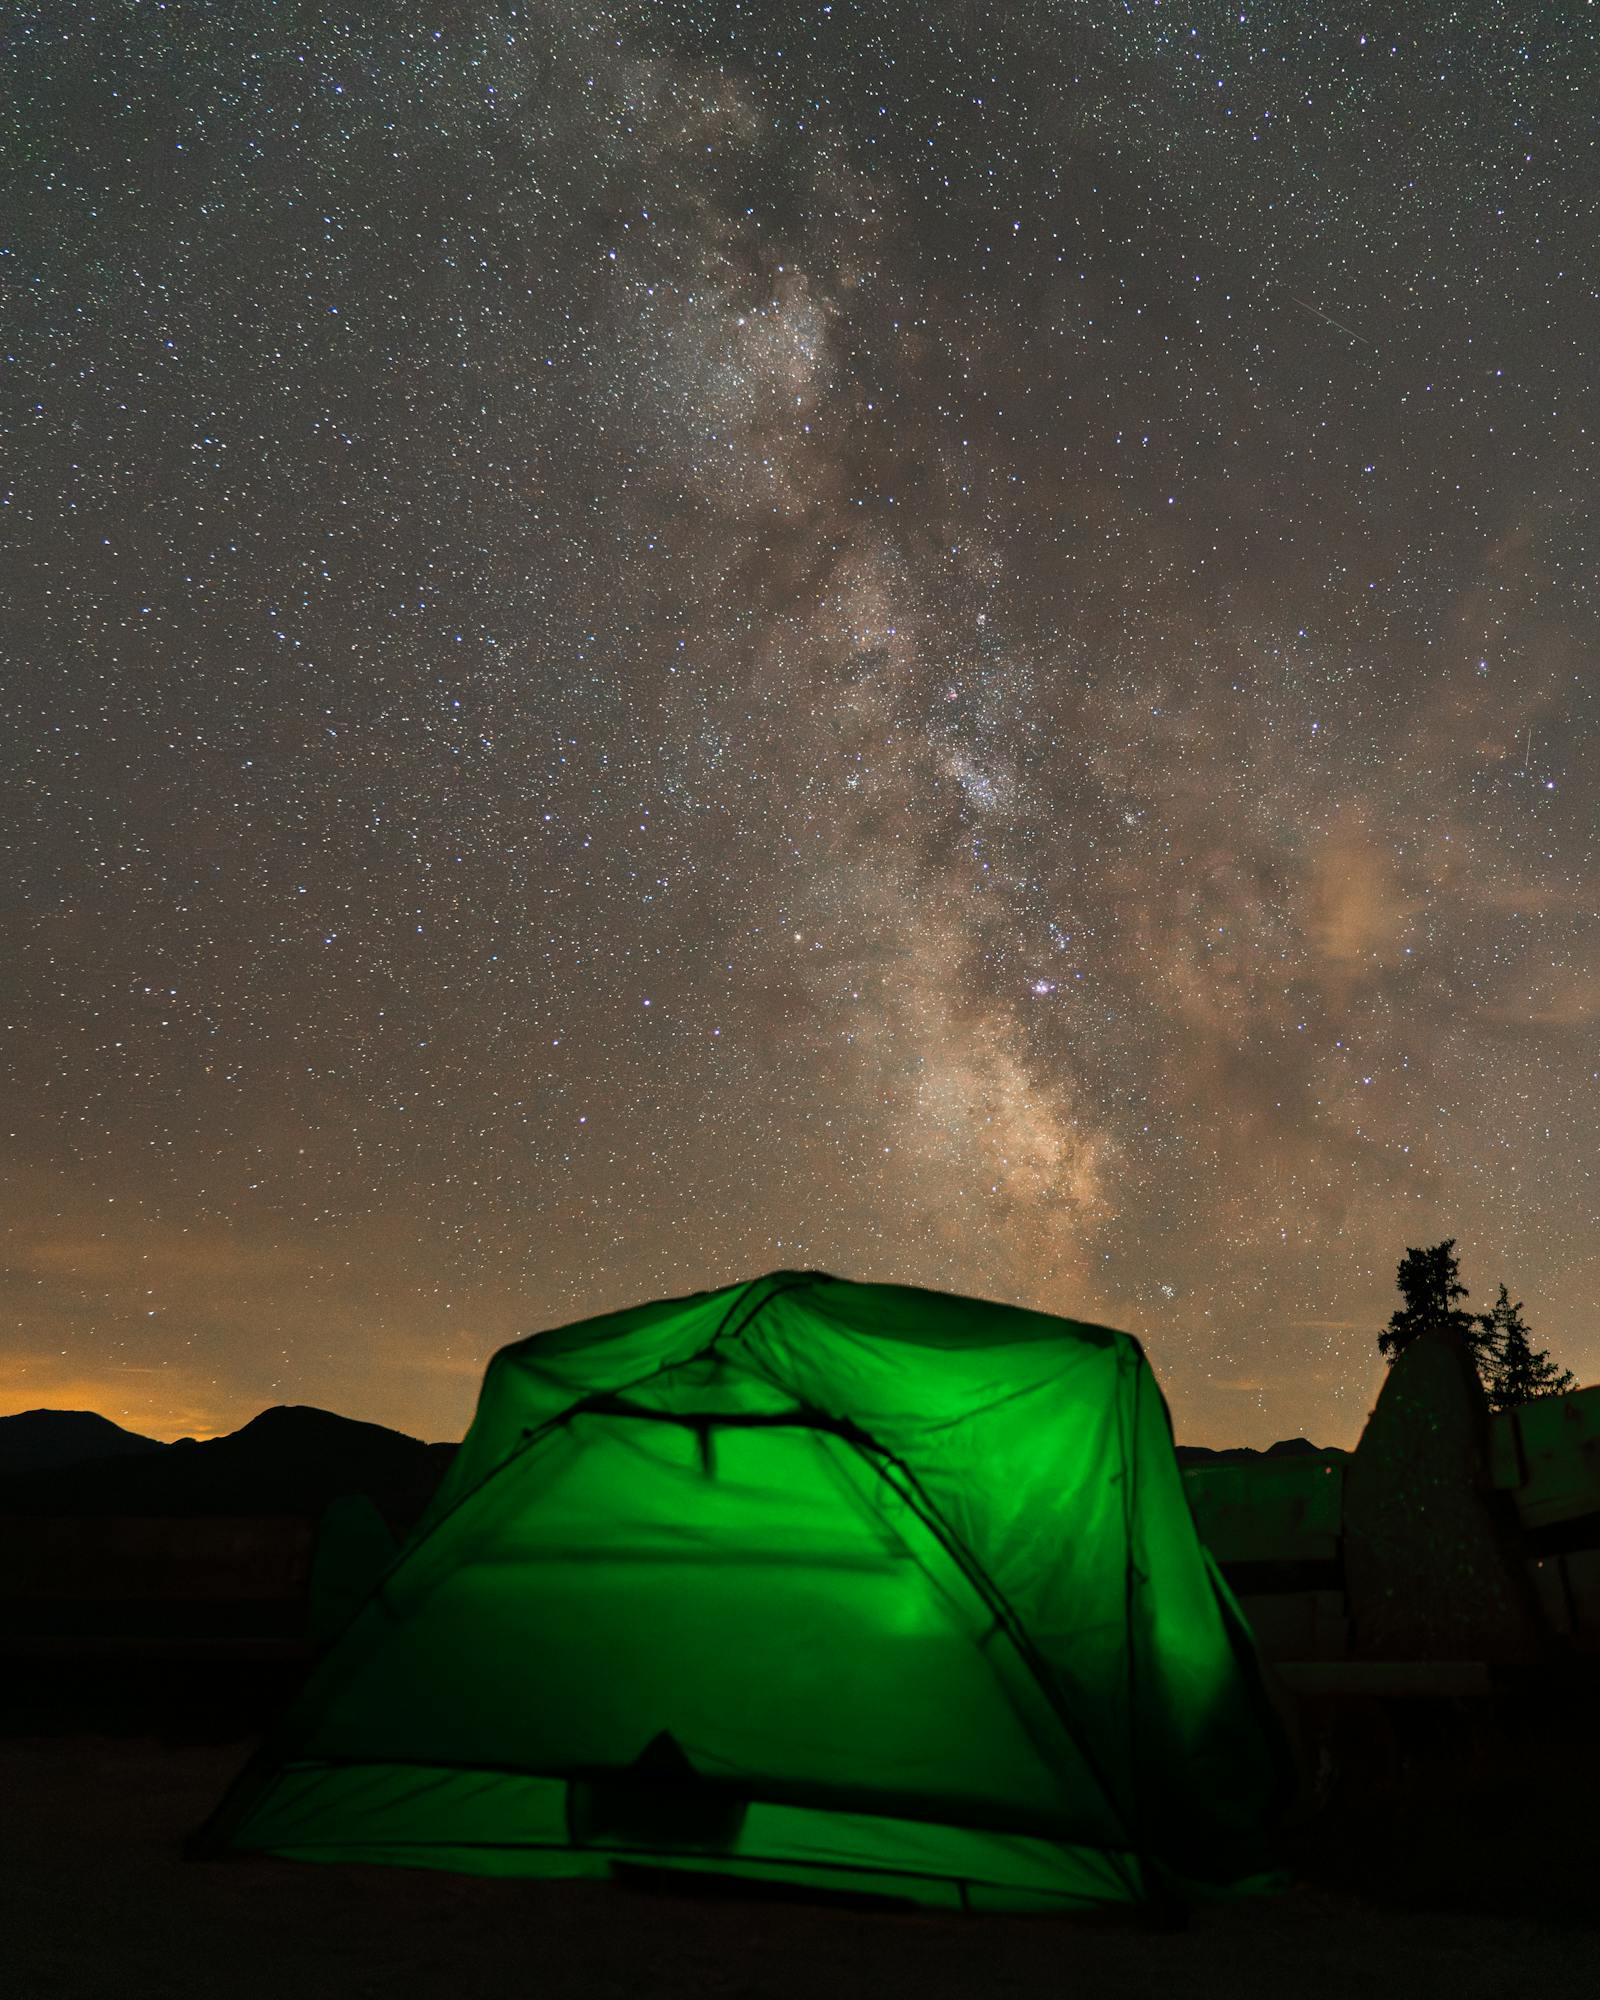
(648, 641)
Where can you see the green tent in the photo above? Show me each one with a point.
(853, 1586)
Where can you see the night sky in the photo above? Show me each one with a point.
(648, 641)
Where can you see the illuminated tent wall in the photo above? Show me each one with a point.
(851, 1585)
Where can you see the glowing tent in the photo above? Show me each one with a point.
(849, 1585)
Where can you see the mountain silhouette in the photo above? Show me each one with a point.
(1244, 1454)
(35, 1440)
(293, 1459)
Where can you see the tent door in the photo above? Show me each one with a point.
(660, 1801)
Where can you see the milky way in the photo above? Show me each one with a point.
(649, 641)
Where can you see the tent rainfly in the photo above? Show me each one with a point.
(852, 1586)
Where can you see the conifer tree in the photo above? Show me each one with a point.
(1513, 1370)
(1510, 1367)
(1430, 1283)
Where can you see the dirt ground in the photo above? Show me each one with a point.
(1477, 1897)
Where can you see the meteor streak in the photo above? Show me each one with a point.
(1339, 323)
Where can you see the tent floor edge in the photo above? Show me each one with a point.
(520, 1825)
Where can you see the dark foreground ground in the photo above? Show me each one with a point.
(1475, 1877)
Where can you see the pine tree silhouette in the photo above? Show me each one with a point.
(1513, 1370)
(1510, 1367)
(1430, 1283)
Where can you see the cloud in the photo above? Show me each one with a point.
(1357, 910)
(1570, 1000)
(190, 1329)
(1524, 898)
(160, 1400)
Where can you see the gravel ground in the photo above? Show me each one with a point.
(1480, 1896)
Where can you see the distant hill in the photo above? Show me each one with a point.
(1244, 1454)
(290, 1460)
(38, 1440)
(294, 1459)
